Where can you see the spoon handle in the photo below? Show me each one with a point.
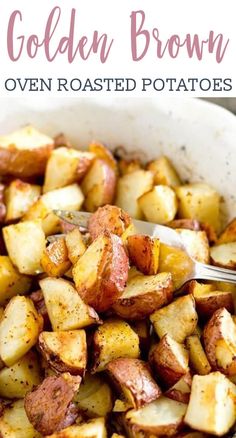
(208, 272)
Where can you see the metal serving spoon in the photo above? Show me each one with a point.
(170, 237)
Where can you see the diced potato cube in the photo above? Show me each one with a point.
(11, 281)
(19, 196)
(75, 245)
(14, 422)
(94, 397)
(196, 244)
(159, 205)
(197, 356)
(55, 261)
(164, 172)
(94, 428)
(224, 255)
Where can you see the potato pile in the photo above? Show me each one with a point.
(96, 340)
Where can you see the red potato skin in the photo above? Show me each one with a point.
(136, 376)
(142, 254)
(177, 395)
(3, 209)
(49, 407)
(108, 218)
(206, 306)
(187, 224)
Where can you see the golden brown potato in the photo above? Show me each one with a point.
(144, 253)
(176, 261)
(65, 351)
(14, 422)
(75, 245)
(103, 153)
(114, 339)
(55, 261)
(19, 197)
(212, 396)
(180, 391)
(196, 244)
(197, 356)
(130, 187)
(99, 185)
(178, 319)
(19, 329)
(143, 329)
(159, 205)
(93, 429)
(50, 406)
(169, 359)
(21, 377)
(24, 153)
(11, 281)
(160, 417)
(25, 244)
(224, 255)
(164, 172)
(94, 398)
(128, 166)
(122, 406)
(199, 201)
(65, 308)
(143, 295)
(66, 166)
(108, 218)
(209, 300)
(186, 224)
(219, 337)
(133, 378)
(228, 235)
(101, 272)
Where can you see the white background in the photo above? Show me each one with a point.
(113, 17)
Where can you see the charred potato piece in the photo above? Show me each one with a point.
(160, 417)
(55, 261)
(196, 244)
(229, 233)
(64, 167)
(14, 422)
(180, 391)
(94, 398)
(178, 319)
(209, 300)
(133, 378)
(164, 172)
(112, 340)
(19, 197)
(19, 329)
(99, 185)
(75, 245)
(211, 397)
(144, 253)
(159, 205)
(103, 153)
(197, 356)
(129, 188)
(108, 218)
(21, 377)
(101, 272)
(169, 359)
(65, 308)
(224, 255)
(94, 428)
(11, 281)
(50, 406)
(25, 244)
(143, 295)
(65, 351)
(199, 201)
(24, 153)
(219, 337)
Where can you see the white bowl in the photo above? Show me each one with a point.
(198, 136)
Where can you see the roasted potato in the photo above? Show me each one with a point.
(160, 417)
(164, 172)
(224, 255)
(108, 218)
(128, 166)
(197, 356)
(144, 253)
(3, 209)
(50, 406)
(177, 262)
(66, 166)
(94, 428)
(211, 396)
(94, 398)
(65, 351)
(196, 244)
(21, 377)
(103, 153)
(209, 300)
(178, 319)
(219, 337)
(55, 259)
(122, 406)
(228, 235)
(199, 201)
(133, 378)
(14, 422)
(180, 391)
(112, 340)
(99, 185)
(40, 306)
(169, 359)
(185, 224)
(159, 205)
(11, 281)
(25, 244)
(143, 295)
(65, 308)
(19, 329)
(19, 197)
(24, 153)
(129, 188)
(67, 198)
(143, 329)
(101, 272)
(75, 245)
